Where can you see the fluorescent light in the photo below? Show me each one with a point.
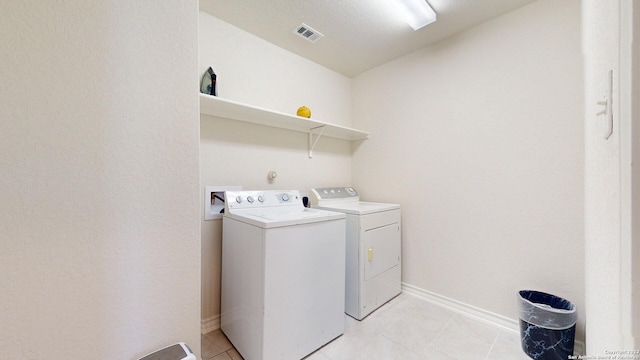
(418, 13)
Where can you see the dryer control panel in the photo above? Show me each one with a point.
(343, 194)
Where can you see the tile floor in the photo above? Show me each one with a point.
(406, 328)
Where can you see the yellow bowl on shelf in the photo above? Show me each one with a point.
(304, 112)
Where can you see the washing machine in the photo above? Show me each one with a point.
(283, 275)
(373, 253)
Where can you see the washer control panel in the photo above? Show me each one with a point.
(261, 198)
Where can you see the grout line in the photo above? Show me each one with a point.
(397, 343)
(444, 327)
(495, 340)
(453, 315)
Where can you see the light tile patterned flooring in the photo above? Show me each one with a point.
(406, 328)
(216, 346)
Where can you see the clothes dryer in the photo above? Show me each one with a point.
(283, 275)
(373, 253)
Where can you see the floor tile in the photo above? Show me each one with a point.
(406, 328)
(234, 355)
(433, 354)
(414, 331)
(318, 355)
(371, 347)
(507, 347)
(223, 356)
(213, 344)
(477, 329)
(460, 345)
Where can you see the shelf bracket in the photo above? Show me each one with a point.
(312, 142)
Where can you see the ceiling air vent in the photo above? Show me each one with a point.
(308, 33)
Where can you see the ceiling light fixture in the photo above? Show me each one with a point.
(418, 13)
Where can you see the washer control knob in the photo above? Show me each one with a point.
(285, 197)
(239, 199)
(250, 199)
(260, 198)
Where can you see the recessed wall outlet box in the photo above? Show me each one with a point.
(214, 200)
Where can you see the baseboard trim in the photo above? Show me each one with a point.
(462, 308)
(472, 311)
(209, 324)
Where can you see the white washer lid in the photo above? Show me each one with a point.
(359, 208)
(283, 216)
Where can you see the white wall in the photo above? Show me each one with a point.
(635, 177)
(602, 178)
(630, 175)
(610, 182)
(255, 72)
(480, 139)
(99, 241)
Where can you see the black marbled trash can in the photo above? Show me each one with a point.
(547, 325)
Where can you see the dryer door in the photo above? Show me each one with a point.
(381, 249)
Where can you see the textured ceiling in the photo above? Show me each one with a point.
(358, 34)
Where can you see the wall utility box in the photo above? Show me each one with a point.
(214, 200)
